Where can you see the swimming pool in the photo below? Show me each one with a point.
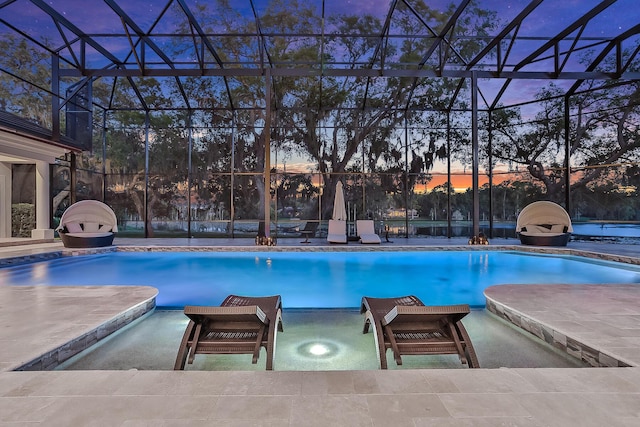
(319, 279)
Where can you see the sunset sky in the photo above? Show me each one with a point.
(460, 178)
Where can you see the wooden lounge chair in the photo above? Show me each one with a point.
(366, 231)
(408, 327)
(241, 325)
(309, 230)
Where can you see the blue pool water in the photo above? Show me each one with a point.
(318, 279)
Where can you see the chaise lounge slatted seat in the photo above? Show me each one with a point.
(240, 325)
(87, 224)
(408, 327)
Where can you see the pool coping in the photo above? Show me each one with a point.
(363, 248)
(66, 252)
(557, 337)
(132, 303)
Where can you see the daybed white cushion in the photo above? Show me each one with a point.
(85, 235)
(532, 229)
(91, 227)
(542, 229)
(537, 234)
(73, 227)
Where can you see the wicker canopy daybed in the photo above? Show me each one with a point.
(544, 223)
(87, 224)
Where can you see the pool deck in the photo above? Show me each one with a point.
(599, 323)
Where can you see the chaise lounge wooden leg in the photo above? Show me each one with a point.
(181, 358)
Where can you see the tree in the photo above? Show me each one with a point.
(350, 118)
(25, 80)
(164, 182)
(604, 136)
(605, 130)
(537, 145)
(324, 117)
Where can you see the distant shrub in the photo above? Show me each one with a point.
(23, 219)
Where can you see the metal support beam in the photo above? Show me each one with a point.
(145, 209)
(490, 155)
(406, 177)
(356, 72)
(475, 154)
(567, 155)
(267, 152)
(58, 17)
(189, 174)
(104, 156)
(55, 97)
(449, 230)
(512, 25)
(232, 204)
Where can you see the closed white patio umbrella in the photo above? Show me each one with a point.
(339, 209)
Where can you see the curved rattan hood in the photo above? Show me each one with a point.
(89, 211)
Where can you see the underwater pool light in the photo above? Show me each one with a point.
(318, 350)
